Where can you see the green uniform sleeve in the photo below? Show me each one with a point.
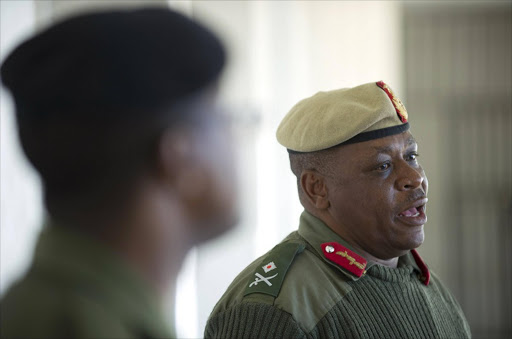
(253, 320)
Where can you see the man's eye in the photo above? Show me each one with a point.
(384, 166)
(412, 157)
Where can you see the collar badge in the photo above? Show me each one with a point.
(342, 256)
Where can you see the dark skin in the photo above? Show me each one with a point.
(373, 196)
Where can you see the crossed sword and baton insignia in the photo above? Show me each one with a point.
(259, 278)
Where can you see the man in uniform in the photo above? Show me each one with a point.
(351, 270)
(116, 111)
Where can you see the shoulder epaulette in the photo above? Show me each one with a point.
(269, 275)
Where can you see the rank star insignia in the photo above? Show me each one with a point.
(399, 106)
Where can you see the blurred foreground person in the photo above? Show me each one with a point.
(116, 111)
(351, 270)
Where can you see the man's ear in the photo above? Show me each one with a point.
(315, 189)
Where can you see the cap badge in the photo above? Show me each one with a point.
(399, 106)
(345, 258)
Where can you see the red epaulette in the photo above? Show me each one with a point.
(345, 258)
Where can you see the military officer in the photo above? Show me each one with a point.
(117, 112)
(351, 270)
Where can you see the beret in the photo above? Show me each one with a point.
(107, 62)
(342, 116)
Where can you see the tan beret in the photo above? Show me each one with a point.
(343, 116)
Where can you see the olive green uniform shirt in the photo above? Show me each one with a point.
(294, 291)
(78, 288)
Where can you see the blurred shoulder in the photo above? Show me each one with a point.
(33, 307)
(36, 307)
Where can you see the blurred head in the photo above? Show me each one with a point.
(104, 100)
(356, 167)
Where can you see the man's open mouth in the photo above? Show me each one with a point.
(413, 212)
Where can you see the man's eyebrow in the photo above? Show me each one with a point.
(410, 141)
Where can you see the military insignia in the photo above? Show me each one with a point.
(269, 267)
(399, 106)
(260, 278)
(425, 273)
(345, 258)
(270, 273)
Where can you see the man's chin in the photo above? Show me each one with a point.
(416, 239)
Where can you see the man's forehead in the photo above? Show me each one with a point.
(386, 145)
(411, 141)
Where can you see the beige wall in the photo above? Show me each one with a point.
(459, 93)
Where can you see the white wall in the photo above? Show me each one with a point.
(20, 189)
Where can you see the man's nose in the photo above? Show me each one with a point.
(410, 178)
